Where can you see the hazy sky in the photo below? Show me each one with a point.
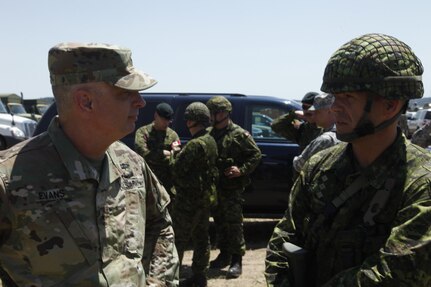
(278, 48)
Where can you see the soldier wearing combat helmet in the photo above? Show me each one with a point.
(359, 211)
(195, 175)
(78, 207)
(238, 157)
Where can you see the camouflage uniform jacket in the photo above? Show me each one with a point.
(325, 140)
(235, 147)
(150, 143)
(64, 224)
(422, 137)
(195, 170)
(356, 245)
(303, 135)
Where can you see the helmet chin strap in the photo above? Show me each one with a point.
(365, 126)
(217, 122)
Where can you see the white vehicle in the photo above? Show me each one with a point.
(13, 128)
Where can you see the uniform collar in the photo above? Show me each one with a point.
(78, 167)
(376, 173)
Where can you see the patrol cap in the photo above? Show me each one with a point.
(165, 111)
(309, 98)
(322, 101)
(78, 63)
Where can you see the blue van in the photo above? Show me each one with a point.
(271, 182)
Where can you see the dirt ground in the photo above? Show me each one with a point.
(257, 233)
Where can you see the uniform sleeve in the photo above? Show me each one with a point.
(422, 137)
(189, 160)
(277, 271)
(141, 146)
(151, 152)
(284, 127)
(160, 261)
(322, 142)
(250, 153)
(5, 222)
(405, 260)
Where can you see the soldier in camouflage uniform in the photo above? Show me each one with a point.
(156, 142)
(422, 137)
(77, 207)
(299, 126)
(361, 209)
(324, 118)
(238, 157)
(195, 175)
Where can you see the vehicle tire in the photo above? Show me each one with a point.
(2, 143)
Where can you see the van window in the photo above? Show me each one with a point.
(428, 115)
(261, 119)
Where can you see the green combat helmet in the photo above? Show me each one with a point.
(219, 104)
(197, 112)
(377, 63)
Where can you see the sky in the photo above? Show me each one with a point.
(255, 47)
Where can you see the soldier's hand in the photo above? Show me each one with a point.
(176, 146)
(232, 172)
(166, 153)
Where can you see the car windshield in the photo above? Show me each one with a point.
(3, 109)
(17, 109)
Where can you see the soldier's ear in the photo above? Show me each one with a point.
(392, 107)
(83, 99)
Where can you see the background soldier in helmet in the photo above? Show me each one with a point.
(195, 174)
(238, 157)
(156, 142)
(361, 208)
(299, 126)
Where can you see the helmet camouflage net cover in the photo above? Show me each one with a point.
(219, 104)
(197, 112)
(378, 63)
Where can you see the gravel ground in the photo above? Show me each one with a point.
(257, 233)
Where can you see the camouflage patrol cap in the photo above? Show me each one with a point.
(78, 63)
(219, 104)
(378, 63)
(322, 101)
(197, 112)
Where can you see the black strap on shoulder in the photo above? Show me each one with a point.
(332, 207)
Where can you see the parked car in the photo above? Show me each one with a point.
(272, 180)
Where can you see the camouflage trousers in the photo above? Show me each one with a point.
(228, 220)
(191, 221)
